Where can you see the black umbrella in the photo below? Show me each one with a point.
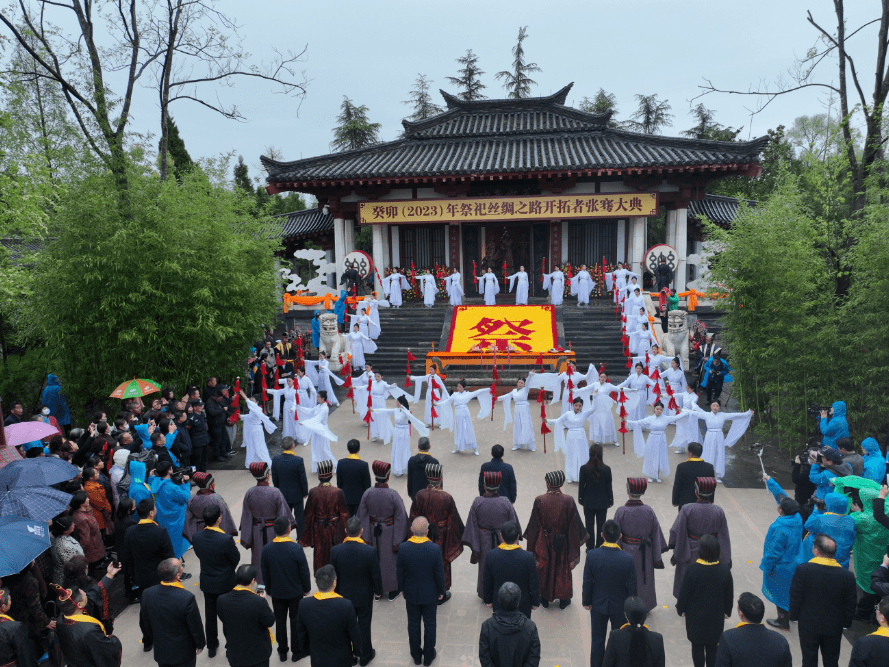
(42, 471)
(39, 503)
(23, 540)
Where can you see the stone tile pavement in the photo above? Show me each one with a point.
(564, 634)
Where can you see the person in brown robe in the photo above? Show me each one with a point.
(445, 524)
(555, 534)
(206, 496)
(642, 538)
(262, 505)
(324, 518)
(384, 521)
(487, 514)
(694, 521)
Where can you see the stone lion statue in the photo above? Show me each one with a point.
(675, 341)
(332, 342)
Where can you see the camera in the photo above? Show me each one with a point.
(814, 410)
(176, 476)
(260, 589)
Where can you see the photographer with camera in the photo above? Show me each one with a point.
(827, 464)
(833, 424)
(851, 455)
(171, 498)
(804, 488)
(830, 517)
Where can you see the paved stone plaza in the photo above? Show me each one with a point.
(564, 635)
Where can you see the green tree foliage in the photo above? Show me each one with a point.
(517, 81)
(706, 126)
(264, 203)
(421, 101)
(175, 291)
(651, 115)
(182, 162)
(355, 129)
(469, 78)
(242, 176)
(777, 159)
(602, 103)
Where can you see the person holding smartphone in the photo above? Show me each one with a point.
(247, 620)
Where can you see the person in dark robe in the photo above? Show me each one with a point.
(595, 494)
(262, 505)
(705, 600)
(440, 510)
(384, 521)
(15, 646)
(509, 562)
(633, 644)
(642, 538)
(664, 275)
(353, 476)
(289, 475)
(687, 473)
(82, 638)
(554, 535)
(325, 517)
(486, 516)
(206, 496)
(416, 468)
(695, 521)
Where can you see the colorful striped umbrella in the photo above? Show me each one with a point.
(135, 387)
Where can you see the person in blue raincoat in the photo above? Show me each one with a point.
(781, 554)
(340, 309)
(144, 431)
(833, 522)
(171, 500)
(834, 425)
(831, 466)
(141, 487)
(874, 463)
(316, 329)
(716, 372)
(53, 398)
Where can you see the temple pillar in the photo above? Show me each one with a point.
(380, 249)
(677, 237)
(395, 255)
(637, 244)
(564, 259)
(339, 245)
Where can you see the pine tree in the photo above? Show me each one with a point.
(469, 78)
(602, 103)
(242, 176)
(182, 162)
(651, 115)
(707, 127)
(517, 81)
(421, 100)
(354, 130)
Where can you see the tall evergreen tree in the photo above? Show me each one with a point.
(651, 116)
(469, 78)
(706, 126)
(355, 129)
(602, 103)
(242, 176)
(178, 154)
(517, 82)
(421, 100)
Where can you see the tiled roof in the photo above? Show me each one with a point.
(300, 224)
(718, 209)
(515, 136)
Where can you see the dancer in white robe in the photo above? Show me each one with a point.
(428, 288)
(641, 339)
(602, 428)
(445, 415)
(320, 374)
(616, 281)
(582, 286)
(489, 286)
(674, 379)
(454, 288)
(288, 392)
(306, 395)
(687, 427)
(362, 319)
(555, 283)
(393, 284)
(401, 438)
(575, 444)
(521, 294)
(715, 442)
(654, 448)
(639, 382)
(523, 428)
(464, 433)
(314, 419)
(566, 394)
(372, 308)
(359, 345)
(379, 392)
(253, 438)
(656, 364)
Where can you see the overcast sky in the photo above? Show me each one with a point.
(372, 52)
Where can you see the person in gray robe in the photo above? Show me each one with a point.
(262, 505)
(482, 531)
(642, 538)
(694, 521)
(384, 520)
(206, 496)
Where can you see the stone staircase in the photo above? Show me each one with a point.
(594, 335)
(413, 327)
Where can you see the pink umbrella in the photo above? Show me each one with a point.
(19, 434)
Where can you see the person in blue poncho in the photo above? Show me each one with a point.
(339, 308)
(831, 466)
(171, 500)
(141, 486)
(316, 329)
(53, 398)
(834, 425)
(874, 463)
(832, 520)
(716, 372)
(781, 554)
(146, 430)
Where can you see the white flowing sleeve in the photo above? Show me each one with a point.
(573, 284)
(507, 412)
(484, 399)
(638, 438)
(740, 422)
(512, 280)
(316, 426)
(369, 346)
(547, 281)
(558, 432)
(609, 280)
(416, 423)
(312, 372)
(418, 381)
